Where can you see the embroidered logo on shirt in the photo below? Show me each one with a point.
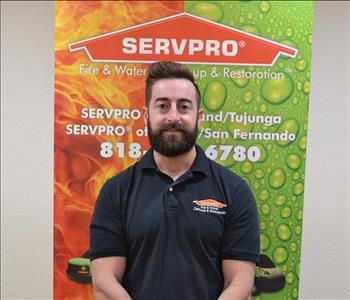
(209, 206)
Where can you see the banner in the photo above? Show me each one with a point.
(251, 61)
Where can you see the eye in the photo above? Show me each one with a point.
(184, 107)
(162, 106)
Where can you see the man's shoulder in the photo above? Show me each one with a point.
(225, 174)
(123, 178)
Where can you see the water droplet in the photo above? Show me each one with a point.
(293, 247)
(286, 212)
(301, 65)
(277, 178)
(297, 229)
(300, 215)
(264, 6)
(284, 233)
(240, 82)
(295, 293)
(299, 85)
(280, 255)
(309, 39)
(263, 225)
(214, 95)
(264, 242)
(276, 91)
(246, 167)
(306, 87)
(265, 209)
(296, 175)
(302, 143)
(264, 195)
(208, 11)
(280, 200)
(289, 32)
(290, 277)
(248, 96)
(256, 185)
(291, 126)
(293, 161)
(263, 108)
(259, 174)
(298, 189)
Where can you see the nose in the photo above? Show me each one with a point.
(173, 115)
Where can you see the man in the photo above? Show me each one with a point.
(176, 225)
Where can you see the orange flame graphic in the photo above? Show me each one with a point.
(79, 169)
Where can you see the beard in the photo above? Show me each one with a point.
(172, 145)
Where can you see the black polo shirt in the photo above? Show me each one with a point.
(175, 233)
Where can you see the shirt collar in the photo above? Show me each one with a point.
(200, 164)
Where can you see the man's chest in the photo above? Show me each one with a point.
(188, 211)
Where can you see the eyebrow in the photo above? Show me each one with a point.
(161, 99)
(167, 99)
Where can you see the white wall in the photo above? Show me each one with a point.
(27, 42)
(325, 244)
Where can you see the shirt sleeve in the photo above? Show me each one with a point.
(241, 237)
(107, 235)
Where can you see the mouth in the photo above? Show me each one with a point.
(172, 130)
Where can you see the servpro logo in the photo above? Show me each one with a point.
(178, 47)
(209, 206)
(183, 38)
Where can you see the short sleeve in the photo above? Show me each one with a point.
(241, 237)
(107, 235)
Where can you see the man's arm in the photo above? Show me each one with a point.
(107, 274)
(238, 279)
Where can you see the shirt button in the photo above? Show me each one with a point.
(171, 189)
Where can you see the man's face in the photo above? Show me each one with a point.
(172, 116)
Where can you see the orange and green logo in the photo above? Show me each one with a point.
(183, 38)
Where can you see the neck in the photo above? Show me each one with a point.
(177, 165)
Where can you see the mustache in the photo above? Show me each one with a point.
(170, 126)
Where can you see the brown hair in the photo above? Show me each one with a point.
(168, 70)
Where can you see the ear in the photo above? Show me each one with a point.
(200, 116)
(145, 114)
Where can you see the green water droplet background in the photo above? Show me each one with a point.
(279, 194)
(207, 10)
